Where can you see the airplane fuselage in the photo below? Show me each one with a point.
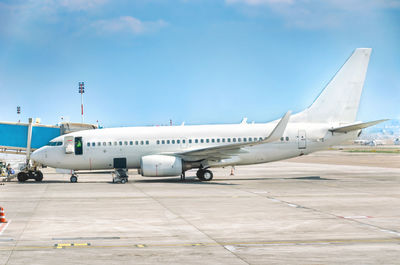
(100, 147)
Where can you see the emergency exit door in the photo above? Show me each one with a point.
(302, 140)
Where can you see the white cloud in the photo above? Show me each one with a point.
(79, 5)
(312, 14)
(259, 2)
(127, 24)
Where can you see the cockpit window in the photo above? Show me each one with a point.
(55, 143)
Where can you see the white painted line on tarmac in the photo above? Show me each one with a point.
(230, 248)
(357, 217)
(4, 226)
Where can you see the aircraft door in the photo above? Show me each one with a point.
(302, 140)
(119, 163)
(69, 144)
(78, 146)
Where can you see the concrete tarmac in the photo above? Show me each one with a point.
(309, 210)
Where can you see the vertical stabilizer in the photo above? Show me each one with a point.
(339, 101)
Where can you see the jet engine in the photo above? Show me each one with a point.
(160, 166)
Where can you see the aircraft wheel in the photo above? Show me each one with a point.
(207, 175)
(123, 181)
(39, 176)
(73, 179)
(199, 174)
(22, 176)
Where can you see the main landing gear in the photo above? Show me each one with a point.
(30, 174)
(204, 174)
(120, 176)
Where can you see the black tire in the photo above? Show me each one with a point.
(207, 175)
(199, 174)
(73, 179)
(22, 176)
(39, 176)
(123, 181)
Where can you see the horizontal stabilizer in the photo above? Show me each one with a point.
(355, 127)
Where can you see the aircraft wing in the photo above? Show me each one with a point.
(357, 126)
(229, 150)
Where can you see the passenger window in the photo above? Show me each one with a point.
(136, 142)
(218, 140)
(98, 144)
(109, 143)
(120, 142)
(173, 141)
(126, 143)
(130, 142)
(239, 140)
(201, 140)
(207, 140)
(93, 144)
(287, 138)
(255, 139)
(228, 140)
(250, 139)
(196, 141)
(261, 138)
(141, 142)
(178, 141)
(88, 144)
(223, 140)
(104, 143)
(158, 141)
(147, 142)
(183, 141)
(167, 141)
(190, 141)
(234, 140)
(244, 139)
(163, 141)
(281, 138)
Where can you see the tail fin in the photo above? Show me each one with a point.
(339, 101)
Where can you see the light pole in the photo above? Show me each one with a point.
(18, 113)
(81, 91)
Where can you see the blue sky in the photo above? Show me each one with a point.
(198, 61)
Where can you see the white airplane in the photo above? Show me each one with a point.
(171, 150)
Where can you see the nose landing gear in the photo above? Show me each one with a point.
(74, 178)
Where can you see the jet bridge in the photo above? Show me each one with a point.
(24, 138)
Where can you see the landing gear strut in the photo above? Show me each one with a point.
(204, 174)
(120, 176)
(183, 177)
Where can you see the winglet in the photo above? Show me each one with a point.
(278, 131)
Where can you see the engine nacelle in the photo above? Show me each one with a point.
(160, 166)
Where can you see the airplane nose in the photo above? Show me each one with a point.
(37, 156)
